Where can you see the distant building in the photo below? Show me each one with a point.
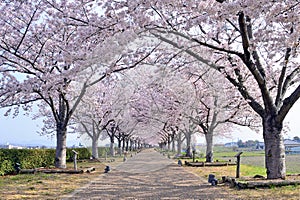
(10, 146)
(289, 145)
(260, 145)
(231, 144)
(292, 147)
(200, 144)
(33, 147)
(294, 150)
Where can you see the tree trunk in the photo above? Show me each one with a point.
(138, 144)
(61, 147)
(127, 144)
(112, 147)
(61, 134)
(179, 144)
(119, 147)
(209, 147)
(131, 145)
(188, 145)
(95, 147)
(274, 148)
(123, 145)
(134, 145)
(173, 145)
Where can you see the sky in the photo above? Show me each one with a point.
(23, 130)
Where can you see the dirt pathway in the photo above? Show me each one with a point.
(149, 175)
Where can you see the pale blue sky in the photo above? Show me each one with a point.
(23, 130)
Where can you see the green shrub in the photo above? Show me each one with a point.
(6, 163)
(102, 151)
(83, 153)
(6, 167)
(34, 158)
(28, 158)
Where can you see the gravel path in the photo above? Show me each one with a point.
(149, 175)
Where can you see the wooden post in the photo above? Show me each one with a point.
(238, 162)
(194, 155)
(75, 159)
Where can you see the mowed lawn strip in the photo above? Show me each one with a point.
(49, 186)
(287, 192)
(54, 186)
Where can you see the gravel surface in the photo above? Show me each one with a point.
(149, 175)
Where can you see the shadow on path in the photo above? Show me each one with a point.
(144, 162)
(149, 175)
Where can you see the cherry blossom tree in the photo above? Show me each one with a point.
(218, 107)
(126, 130)
(40, 43)
(168, 135)
(189, 129)
(121, 123)
(254, 44)
(51, 52)
(93, 114)
(161, 99)
(205, 100)
(179, 142)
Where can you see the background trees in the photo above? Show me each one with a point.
(217, 107)
(94, 113)
(44, 47)
(52, 52)
(254, 44)
(159, 102)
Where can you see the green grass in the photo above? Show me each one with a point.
(248, 158)
(220, 151)
(25, 178)
(250, 170)
(244, 154)
(245, 171)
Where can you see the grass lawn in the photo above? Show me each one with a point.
(255, 158)
(252, 163)
(287, 192)
(48, 186)
(54, 186)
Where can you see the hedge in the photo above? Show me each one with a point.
(34, 158)
(83, 153)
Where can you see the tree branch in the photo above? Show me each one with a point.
(288, 103)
